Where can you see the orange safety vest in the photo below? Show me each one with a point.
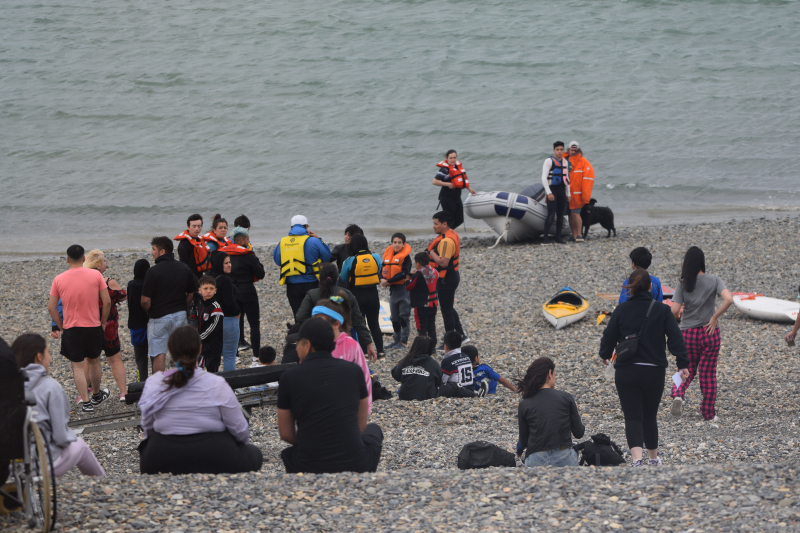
(393, 263)
(458, 177)
(202, 255)
(211, 237)
(237, 249)
(450, 234)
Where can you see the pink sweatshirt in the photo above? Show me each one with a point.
(348, 349)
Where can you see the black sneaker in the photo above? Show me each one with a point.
(381, 355)
(464, 339)
(100, 397)
(243, 346)
(87, 407)
(484, 390)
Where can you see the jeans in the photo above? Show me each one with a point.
(446, 288)
(248, 302)
(230, 342)
(400, 307)
(568, 457)
(142, 361)
(159, 330)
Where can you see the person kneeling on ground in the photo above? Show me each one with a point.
(456, 369)
(327, 400)
(546, 418)
(191, 420)
(52, 409)
(419, 374)
(485, 379)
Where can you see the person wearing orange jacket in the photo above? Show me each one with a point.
(581, 181)
(452, 179)
(396, 268)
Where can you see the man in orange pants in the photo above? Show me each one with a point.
(581, 181)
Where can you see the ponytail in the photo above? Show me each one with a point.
(184, 346)
(340, 304)
(328, 275)
(638, 281)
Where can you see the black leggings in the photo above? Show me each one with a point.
(142, 360)
(556, 208)
(200, 453)
(425, 318)
(640, 389)
(454, 206)
(446, 289)
(370, 305)
(248, 302)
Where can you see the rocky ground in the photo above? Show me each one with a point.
(735, 476)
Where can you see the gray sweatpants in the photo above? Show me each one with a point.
(400, 308)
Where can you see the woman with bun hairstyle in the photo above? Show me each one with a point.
(548, 418)
(452, 179)
(217, 237)
(640, 377)
(111, 346)
(191, 420)
(336, 311)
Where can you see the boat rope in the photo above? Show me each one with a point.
(512, 200)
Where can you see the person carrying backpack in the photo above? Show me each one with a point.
(547, 417)
(640, 371)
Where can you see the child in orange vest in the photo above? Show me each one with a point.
(396, 267)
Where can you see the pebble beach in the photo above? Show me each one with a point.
(738, 475)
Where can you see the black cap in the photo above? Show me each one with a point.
(319, 333)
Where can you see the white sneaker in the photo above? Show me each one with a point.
(714, 422)
(677, 407)
(654, 462)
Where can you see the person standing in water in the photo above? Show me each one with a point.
(452, 179)
(555, 178)
(581, 181)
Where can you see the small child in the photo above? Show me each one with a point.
(641, 258)
(52, 405)
(485, 378)
(209, 320)
(395, 270)
(266, 357)
(423, 296)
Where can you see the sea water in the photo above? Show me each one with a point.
(118, 119)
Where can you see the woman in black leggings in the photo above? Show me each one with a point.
(640, 378)
(361, 271)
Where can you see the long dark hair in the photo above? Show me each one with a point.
(694, 262)
(184, 347)
(342, 308)
(638, 281)
(357, 243)
(26, 347)
(535, 376)
(328, 274)
(421, 346)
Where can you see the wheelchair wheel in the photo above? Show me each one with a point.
(39, 487)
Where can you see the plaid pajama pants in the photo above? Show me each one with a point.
(703, 352)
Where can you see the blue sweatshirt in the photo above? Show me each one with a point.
(658, 295)
(313, 249)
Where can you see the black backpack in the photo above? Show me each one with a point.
(600, 451)
(379, 392)
(482, 454)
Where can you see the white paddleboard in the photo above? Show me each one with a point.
(385, 318)
(765, 308)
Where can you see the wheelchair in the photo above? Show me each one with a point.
(24, 456)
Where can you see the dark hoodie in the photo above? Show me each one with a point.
(420, 379)
(226, 291)
(137, 317)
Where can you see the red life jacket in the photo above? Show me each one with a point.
(202, 255)
(453, 265)
(393, 263)
(458, 177)
(237, 249)
(211, 237)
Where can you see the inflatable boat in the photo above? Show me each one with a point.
(516, 217)
(761, 307)
(565, 308)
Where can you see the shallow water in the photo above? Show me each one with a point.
(119, 119)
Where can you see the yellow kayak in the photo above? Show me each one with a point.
(565, 308)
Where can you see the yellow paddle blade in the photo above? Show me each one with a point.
(600, 318)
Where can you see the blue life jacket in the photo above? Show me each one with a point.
(556, 175)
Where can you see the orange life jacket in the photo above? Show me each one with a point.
(211, 237)
(393, 263)
(237, 249)
(458, 177)
(449, 234)
(202, 255)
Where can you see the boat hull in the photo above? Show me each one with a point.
(769, 309)
(526, 218)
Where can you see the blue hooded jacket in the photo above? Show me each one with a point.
(313, 249)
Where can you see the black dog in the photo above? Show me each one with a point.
(590, 214)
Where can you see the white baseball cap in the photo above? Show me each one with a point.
(299, 219)
(574, 143)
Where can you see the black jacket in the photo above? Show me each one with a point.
(420, 379)
(243, 269)
(226, 291)
(167, 283)
(137, 317)
(356, 317)
(186, 256)
(339, 254)
(626, 320)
